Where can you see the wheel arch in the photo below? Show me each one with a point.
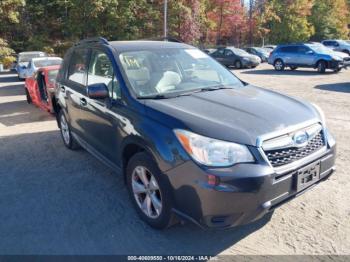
(131, 146)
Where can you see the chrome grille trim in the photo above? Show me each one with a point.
(309, 125)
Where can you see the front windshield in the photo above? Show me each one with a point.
(27, 57)
(174, 71)
(343, 42)
(52, 75)
(47, 62)
(262, 50)
(240, 52)
(319, 48)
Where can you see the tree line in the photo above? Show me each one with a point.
(54, 25)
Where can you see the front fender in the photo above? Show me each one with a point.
(160, 142)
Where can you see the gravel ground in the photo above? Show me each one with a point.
(55, 201)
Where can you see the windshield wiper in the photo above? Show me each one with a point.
(154, 97)
(212, 88)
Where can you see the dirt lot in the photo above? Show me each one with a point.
(54, 201)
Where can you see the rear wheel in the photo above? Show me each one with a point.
(321, 67)
(279, 65)
(66, 134)
(29, 99)
(149, 191)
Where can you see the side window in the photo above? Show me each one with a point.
(326, 43)
(302, 49)
(101, 71)
(219, 52)
(228, 52)
(77, 66)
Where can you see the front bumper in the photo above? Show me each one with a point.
(250, 63)
(246, 191)
(339, 64)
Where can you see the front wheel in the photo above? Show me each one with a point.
(279, 65)
(238, 64)
(149, 191)
(321, 67)
(66, 134)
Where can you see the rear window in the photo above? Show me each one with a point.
(49, 62)
(52, 75)
(27, 57)
(77, 66)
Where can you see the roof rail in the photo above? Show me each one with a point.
(93, 40)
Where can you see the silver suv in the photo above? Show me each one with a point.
(307, 55)
(338, 45)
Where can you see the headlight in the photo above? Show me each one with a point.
(213, 152)
(321, 114)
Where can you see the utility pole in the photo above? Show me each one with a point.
(251, 4)
(165, 18)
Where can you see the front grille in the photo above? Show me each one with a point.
(280, 157)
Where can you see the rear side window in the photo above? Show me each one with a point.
(77, 67)
(288, 49)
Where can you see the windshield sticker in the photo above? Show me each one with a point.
(196, 53)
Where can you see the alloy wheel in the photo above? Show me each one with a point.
(65, 130)
(278, 65)
(146, 192)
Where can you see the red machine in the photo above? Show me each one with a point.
(40, 87)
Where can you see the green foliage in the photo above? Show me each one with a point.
(54, 25)
(6, 52)
(330, 18)
(291, 21)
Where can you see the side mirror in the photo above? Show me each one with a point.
(98, 91)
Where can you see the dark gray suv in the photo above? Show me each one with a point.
(191, 140)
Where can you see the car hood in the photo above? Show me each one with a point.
(340, 54)
(236, 115)
(251, 57)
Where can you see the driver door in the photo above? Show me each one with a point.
(98, 120)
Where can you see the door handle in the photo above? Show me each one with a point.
(83, 101)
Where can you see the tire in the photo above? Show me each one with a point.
(321, 67)
(158, 212)
(279, 65)
(66, 134)
(293, 68)
(238, 64)
(29, 99)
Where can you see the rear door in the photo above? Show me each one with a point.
(229, 57)
(219, 55)
(74, 90)
(290, 54)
